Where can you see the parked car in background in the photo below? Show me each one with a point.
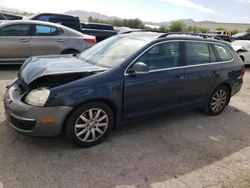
(242, 47)
(22, 39)
(124, 30)
(221, 32)
(72, 22)
(99, 30)
(242, 36)
(127, 75)
(215, 36)
(7, 16)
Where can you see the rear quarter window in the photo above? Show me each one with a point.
(223, 53)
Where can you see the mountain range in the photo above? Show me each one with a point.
(83, 15)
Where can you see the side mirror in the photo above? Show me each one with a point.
(138, 68)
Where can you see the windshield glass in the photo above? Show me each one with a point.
(112, 52)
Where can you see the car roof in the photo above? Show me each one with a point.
(34, 22)
(55, 14)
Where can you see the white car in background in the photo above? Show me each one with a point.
(242, 47)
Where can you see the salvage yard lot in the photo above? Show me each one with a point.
(178, 149)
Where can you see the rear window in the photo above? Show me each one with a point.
(223, 52)
(97, 26)
(69, 21)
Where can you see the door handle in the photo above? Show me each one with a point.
(216, 73)
(180, 78)
(60, 40)
(24, 40)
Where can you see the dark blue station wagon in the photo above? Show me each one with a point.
(84, 96)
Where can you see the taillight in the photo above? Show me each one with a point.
(90, 40)
(242, 72)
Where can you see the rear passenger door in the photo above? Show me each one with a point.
(46, 40)
(202, 72)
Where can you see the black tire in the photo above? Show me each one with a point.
(210, 108)
(70, 51)
(71, 130)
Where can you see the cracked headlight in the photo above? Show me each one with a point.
(37, 97)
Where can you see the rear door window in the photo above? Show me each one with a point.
(223, 53)
(43, 30)
(197, 53)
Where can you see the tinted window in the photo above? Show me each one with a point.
(12, 17)
(15, 30)
(2, 17)
(223, 53)
(197, 53)
(162, 56)
(43, 18)
(97, 26)
(43, 30)
(248, 36)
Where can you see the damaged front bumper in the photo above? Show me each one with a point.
(29, 120)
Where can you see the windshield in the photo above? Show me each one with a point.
(112, 52)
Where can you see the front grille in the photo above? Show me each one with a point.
(22, 124)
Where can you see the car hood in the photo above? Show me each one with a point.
(42, 66)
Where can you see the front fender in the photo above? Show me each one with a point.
(78, 94)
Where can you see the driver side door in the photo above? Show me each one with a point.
(161, 87)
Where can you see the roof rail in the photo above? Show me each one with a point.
(203, 35)
(175, 33)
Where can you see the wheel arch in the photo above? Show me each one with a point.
(69, 50)
(242, 58)
(101, 100)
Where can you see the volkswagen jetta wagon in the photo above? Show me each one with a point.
(85, 96)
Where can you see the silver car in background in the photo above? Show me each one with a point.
(24, 38)
(242, 47)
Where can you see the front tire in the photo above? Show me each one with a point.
(89, 124)
(218, 101)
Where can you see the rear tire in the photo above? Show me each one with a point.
(89, 124)
(218, 100)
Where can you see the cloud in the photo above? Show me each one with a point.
(244, 1)
(190, 4)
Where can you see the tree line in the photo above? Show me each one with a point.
(175, 26)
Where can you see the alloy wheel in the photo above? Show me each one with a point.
(219, 100)
(91, 125)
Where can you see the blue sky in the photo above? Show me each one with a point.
(147, 10)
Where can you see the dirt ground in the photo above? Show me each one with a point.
(178, 149)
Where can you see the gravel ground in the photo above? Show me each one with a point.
(178, 149)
